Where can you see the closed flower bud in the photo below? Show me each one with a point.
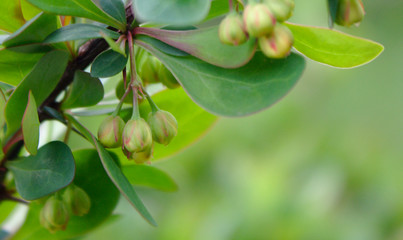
(77, 200)
(232, 30)
(278, 44)
(148, 71)
(110, 132)
(349, 12)
(54, 215)
(163, 125)
(142, 157)
(281, 9)
(167, 78)
(258, 19)
(137, 136)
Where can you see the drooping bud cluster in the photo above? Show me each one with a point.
(163, 126)
(349, 12)
(263, 21)
(110, 132)
(137, 136)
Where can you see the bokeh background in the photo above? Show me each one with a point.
(326, 162)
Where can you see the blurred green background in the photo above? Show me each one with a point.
(326, 162)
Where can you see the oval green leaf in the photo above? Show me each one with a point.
(332, 47)
(85, 91)
(41, 81)
(332, 6)
(11, 17)
(234, 92)
(205, 44)
(28, 10)
(30, 126)
(79, 31)
(115, 9)
(108, 64)
(50, 170)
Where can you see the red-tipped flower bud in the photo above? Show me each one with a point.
(232, 30)
(54, 215)
(258, 19)
(163, 125)
(167, 78)
(281, 9)
(110, 132)
(77, 200)
(349, 12)
(278, 44)
(137, 136)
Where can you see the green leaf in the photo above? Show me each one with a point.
(148, 176)
(114, 172)
(174, 12)
(33, 31)
(77, 8)
(332, 47)
(50, 170)
(332, 7)
(6, 207)
(79, 31)
(108, 64)
(205, 44)
(3, 102)
(114, 8)
(28, 10)
(11, 17)
(103, 194)
(86, 91)
(41, 81)
(234, 92)
(30, 125)
(218, 8)
(14, 66)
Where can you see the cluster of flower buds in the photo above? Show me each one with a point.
(261, 20)
(349, 12)
(55, 214)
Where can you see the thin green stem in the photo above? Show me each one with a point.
(154, 107)
(136, 112)
(120, 104)
(68, 131)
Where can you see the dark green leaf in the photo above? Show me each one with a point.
(103, 194)
(11, 17)
(332, 47)
(163, 47)
(175, 12)
(116, 9)
(332, 7)
(205, 44)
(30, 125)
(114, 172)
(79, 31)
(50, 170)
(86, 91)
(108, 64)
(41, 81)
(78, 8)
(234, 92)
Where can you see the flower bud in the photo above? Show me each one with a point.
(77, 200)
(258, 19)
(167, 78)
(110, 132)
(148, 71)
(349, 12)
(278, 44)
(163, 126)
(232, 30)
(137, 136)
(142, 157)
(281, 9)
(54, 215)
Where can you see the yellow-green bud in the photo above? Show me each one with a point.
(142, 157)
(54, 215)
(137, 136)
(148, 71)
(281, 9)
(232, 30)
(349, 12)
(167, 78)
(77, 200)
(110, 132)
(163, 126)
(258, 19)
(278, 44)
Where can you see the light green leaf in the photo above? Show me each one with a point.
(205, 44)
(174, 12)
(86, 91)
(28, 10)
(50, 170)
(234, 92)
(103, 194)
(148, 176)
(30, 125)
(78, 8)
(41, 81)
(114, 172)
(11, 17)
(218, 8)
(79, 31)
(332, 47)
(108, 64)
(6, 207)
